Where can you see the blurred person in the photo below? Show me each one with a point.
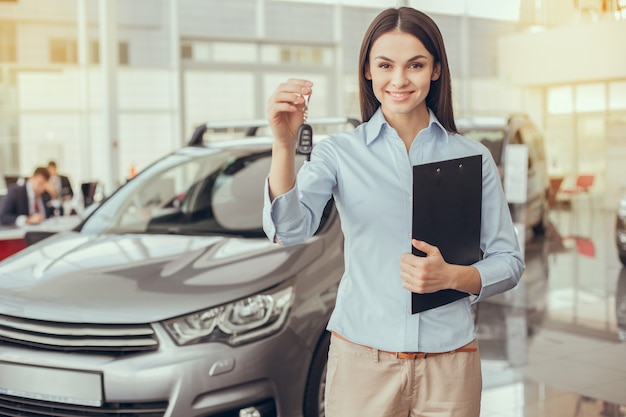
(59, 185)
(383, 360)
(60, 189)
(27, 203)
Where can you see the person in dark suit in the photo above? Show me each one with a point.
(28, 203)
(59, 185)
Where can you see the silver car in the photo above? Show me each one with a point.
(169, 300)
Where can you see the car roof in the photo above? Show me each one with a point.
(513, 121)
(246, 142)
(466, 123)
(247, 129)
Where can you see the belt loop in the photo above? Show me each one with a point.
(375, 355)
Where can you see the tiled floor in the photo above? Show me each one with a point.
(551, 347)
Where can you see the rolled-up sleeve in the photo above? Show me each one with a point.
(293, 217)
(502, 265)
(280, 215)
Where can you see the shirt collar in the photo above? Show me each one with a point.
(376, 123)
(29, 189)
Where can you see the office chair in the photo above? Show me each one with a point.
(88, 190)
(583, 185)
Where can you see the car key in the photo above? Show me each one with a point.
(305, 133)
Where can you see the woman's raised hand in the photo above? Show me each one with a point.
(285, 110)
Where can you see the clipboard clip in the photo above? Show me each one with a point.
(438, 169)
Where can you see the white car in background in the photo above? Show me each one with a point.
(620, 231)
(496, 133)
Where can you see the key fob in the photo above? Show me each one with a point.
(305, 139)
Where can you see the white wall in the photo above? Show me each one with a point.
(615, 162)
(50, 120)
(575, 53)
(217, 96)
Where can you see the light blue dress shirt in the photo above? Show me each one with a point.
(369, 173)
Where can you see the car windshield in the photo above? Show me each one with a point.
(493, 139)
(194, 191)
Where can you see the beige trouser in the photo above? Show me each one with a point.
(365, 382)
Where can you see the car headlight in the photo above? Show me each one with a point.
(621, 212)
(235, 323)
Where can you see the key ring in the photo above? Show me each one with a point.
(305, 113)
(305, 132)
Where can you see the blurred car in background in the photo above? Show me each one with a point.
(496, 133)
(620, 305)
(169, 300)
(620, 230)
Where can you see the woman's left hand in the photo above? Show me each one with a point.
(425, 274)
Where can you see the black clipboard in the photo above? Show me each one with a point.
(447, 200)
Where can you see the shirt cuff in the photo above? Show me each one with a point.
(21, 221)
(280, 214)
(491, 276)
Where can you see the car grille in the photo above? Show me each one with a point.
(15, 406)
(78, 337)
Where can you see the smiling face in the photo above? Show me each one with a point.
(401, 70)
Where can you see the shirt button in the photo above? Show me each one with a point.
(410, 198)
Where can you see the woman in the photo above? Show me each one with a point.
(383, 360)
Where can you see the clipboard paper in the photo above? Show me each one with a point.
(447, 197)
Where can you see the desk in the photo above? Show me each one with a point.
(555, 186)
(12, 237)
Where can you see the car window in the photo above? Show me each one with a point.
(534, 140)
(236, 195)
(516, 138)
(163, 195)
(219, 193)
(493, 139)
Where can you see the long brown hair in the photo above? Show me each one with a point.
(409, 20)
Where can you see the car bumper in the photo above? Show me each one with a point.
(200, 380)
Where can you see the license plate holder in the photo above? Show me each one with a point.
(51, 384)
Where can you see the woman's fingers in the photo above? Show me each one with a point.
(302, 84)
(286, 107)
(288, 97)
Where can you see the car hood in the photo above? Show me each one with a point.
(76, 278)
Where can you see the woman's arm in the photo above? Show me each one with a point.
(285, 113)
(282, 176)
(291, 215)
(432, 273)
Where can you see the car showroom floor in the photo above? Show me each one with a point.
(551, 347)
